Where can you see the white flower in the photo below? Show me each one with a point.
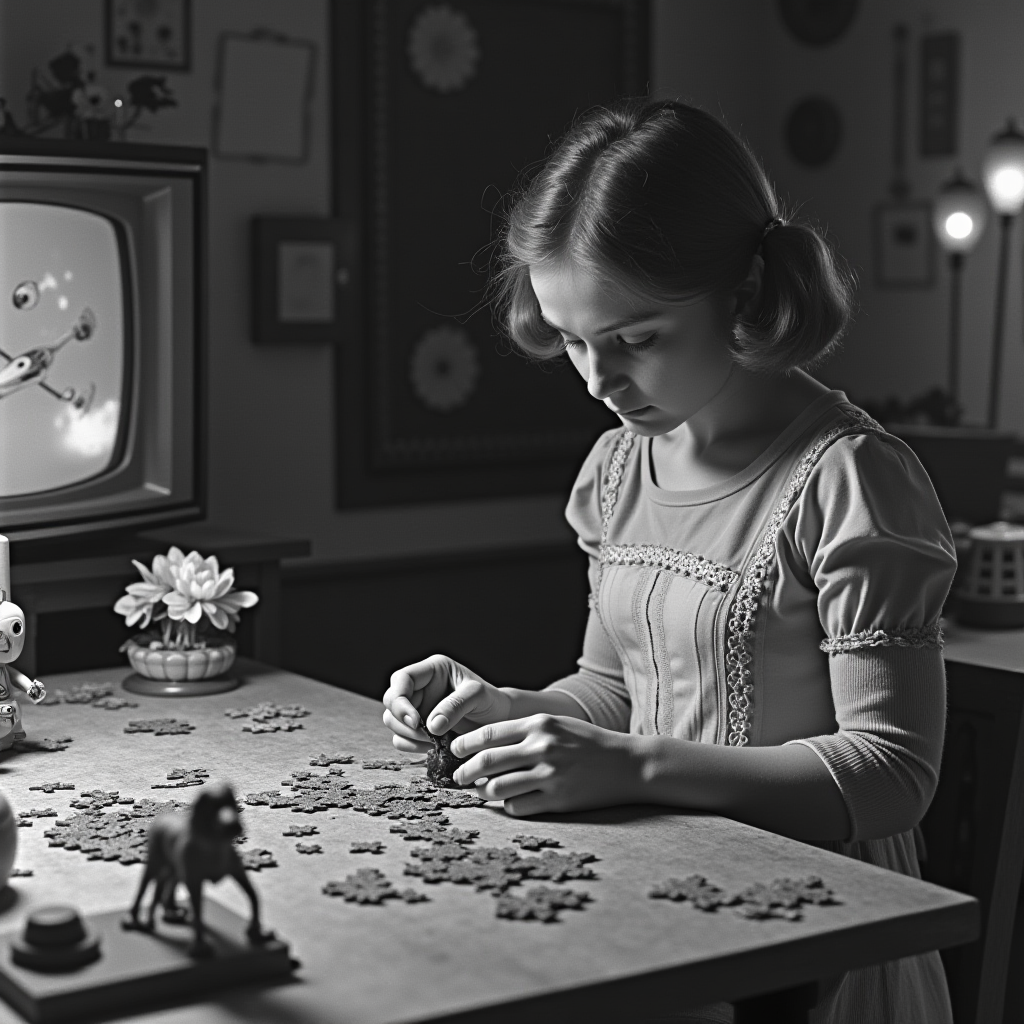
(201, 588)
(145, 600)
(443, 48)
(444, 368)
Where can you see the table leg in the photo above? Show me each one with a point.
(788, 1006)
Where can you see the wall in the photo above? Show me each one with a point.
(271, 457)
(271, 410)
(736, 58)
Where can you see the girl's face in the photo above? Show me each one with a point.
(653, 364)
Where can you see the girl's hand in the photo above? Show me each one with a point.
(443, 695)
(549, 763)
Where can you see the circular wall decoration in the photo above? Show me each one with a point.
(814, 130)
(443, 48)
(444, 368)
(818, 22)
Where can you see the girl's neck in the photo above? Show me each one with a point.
(725, 436)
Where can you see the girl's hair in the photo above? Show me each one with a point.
(665, 198)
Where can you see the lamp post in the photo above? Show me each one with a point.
(958, 219)
(1002, 172)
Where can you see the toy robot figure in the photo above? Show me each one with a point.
(12, 640)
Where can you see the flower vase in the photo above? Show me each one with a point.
(168, 672)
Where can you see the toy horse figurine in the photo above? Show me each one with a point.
(193, 848)
(12, 642)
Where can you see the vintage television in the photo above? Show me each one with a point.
(102, 282)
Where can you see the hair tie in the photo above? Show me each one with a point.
(775, 222)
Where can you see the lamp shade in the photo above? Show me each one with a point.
(959, 215)
(1002, 171)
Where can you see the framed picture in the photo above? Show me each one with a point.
(264, 86)
(436, 108)
(148, 34)
(303, 280)
(904, 246)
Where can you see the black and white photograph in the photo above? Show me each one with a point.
(511, 511)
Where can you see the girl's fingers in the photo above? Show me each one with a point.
(528, 804)
(494, 761)
(406, 682)
(410, 746)
(399, 728)
(403, 710)
(496, 734)
(460, 702)
(504, 787)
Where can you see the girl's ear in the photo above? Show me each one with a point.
(748, 294)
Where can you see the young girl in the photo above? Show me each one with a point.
(767, 565)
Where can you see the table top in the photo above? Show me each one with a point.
(424, 961)
(988, 648)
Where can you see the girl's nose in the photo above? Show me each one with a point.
(603, 379)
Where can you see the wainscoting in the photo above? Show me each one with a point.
(516, 617)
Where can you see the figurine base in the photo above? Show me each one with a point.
(139, 969)
(180, 688)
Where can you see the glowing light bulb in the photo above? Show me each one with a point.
(118, 103)
(1008, 184)
(1002, 171)
(959, 225)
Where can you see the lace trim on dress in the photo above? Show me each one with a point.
(912, 636)
(739, 653)
(682, 563)
(609, 496)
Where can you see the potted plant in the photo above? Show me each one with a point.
(182, 597)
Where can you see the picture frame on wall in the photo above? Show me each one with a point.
(304, 276)
(433, 403)
(904, 245)
(155, 34)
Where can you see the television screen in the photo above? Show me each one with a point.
(63, 351)
(101, 337)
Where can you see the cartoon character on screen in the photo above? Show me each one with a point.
(33, 367)
(12, 641)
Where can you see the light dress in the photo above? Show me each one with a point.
(796, 602)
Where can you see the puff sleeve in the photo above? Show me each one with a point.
(874, 540)
(598, 686)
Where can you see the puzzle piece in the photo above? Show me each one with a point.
(485, 868)
(325, 760)
(540, 904)
(695, 888)
(20, 873)
(46, 745)
(257, 860)
(81, 693)
(533, 842)
(442, 763)
(23, 822)
(160, 726)
(386, 764)
(120, 835)
(368, 885)
(51, 787)
(93, 799)
(113, 703)
(784, 897)
(300, 830)
(309, 848)
(375, 846)
(270, 717)
(181, 778)
(431, 831)
(39, 812)
(557, 867)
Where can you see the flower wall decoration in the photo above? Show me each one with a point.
(444, 368)
(179, 590)
(443, 48)
(65, 94)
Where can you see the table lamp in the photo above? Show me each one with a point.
(958, 219)
(1002, 172)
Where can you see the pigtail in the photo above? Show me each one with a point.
(805, 305)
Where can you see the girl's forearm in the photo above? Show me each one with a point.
(784, 789)
(543, 702)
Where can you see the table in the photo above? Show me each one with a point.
(93, 574)
(451, 958)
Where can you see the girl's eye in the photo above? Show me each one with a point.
(639, 346)
(569, 343)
